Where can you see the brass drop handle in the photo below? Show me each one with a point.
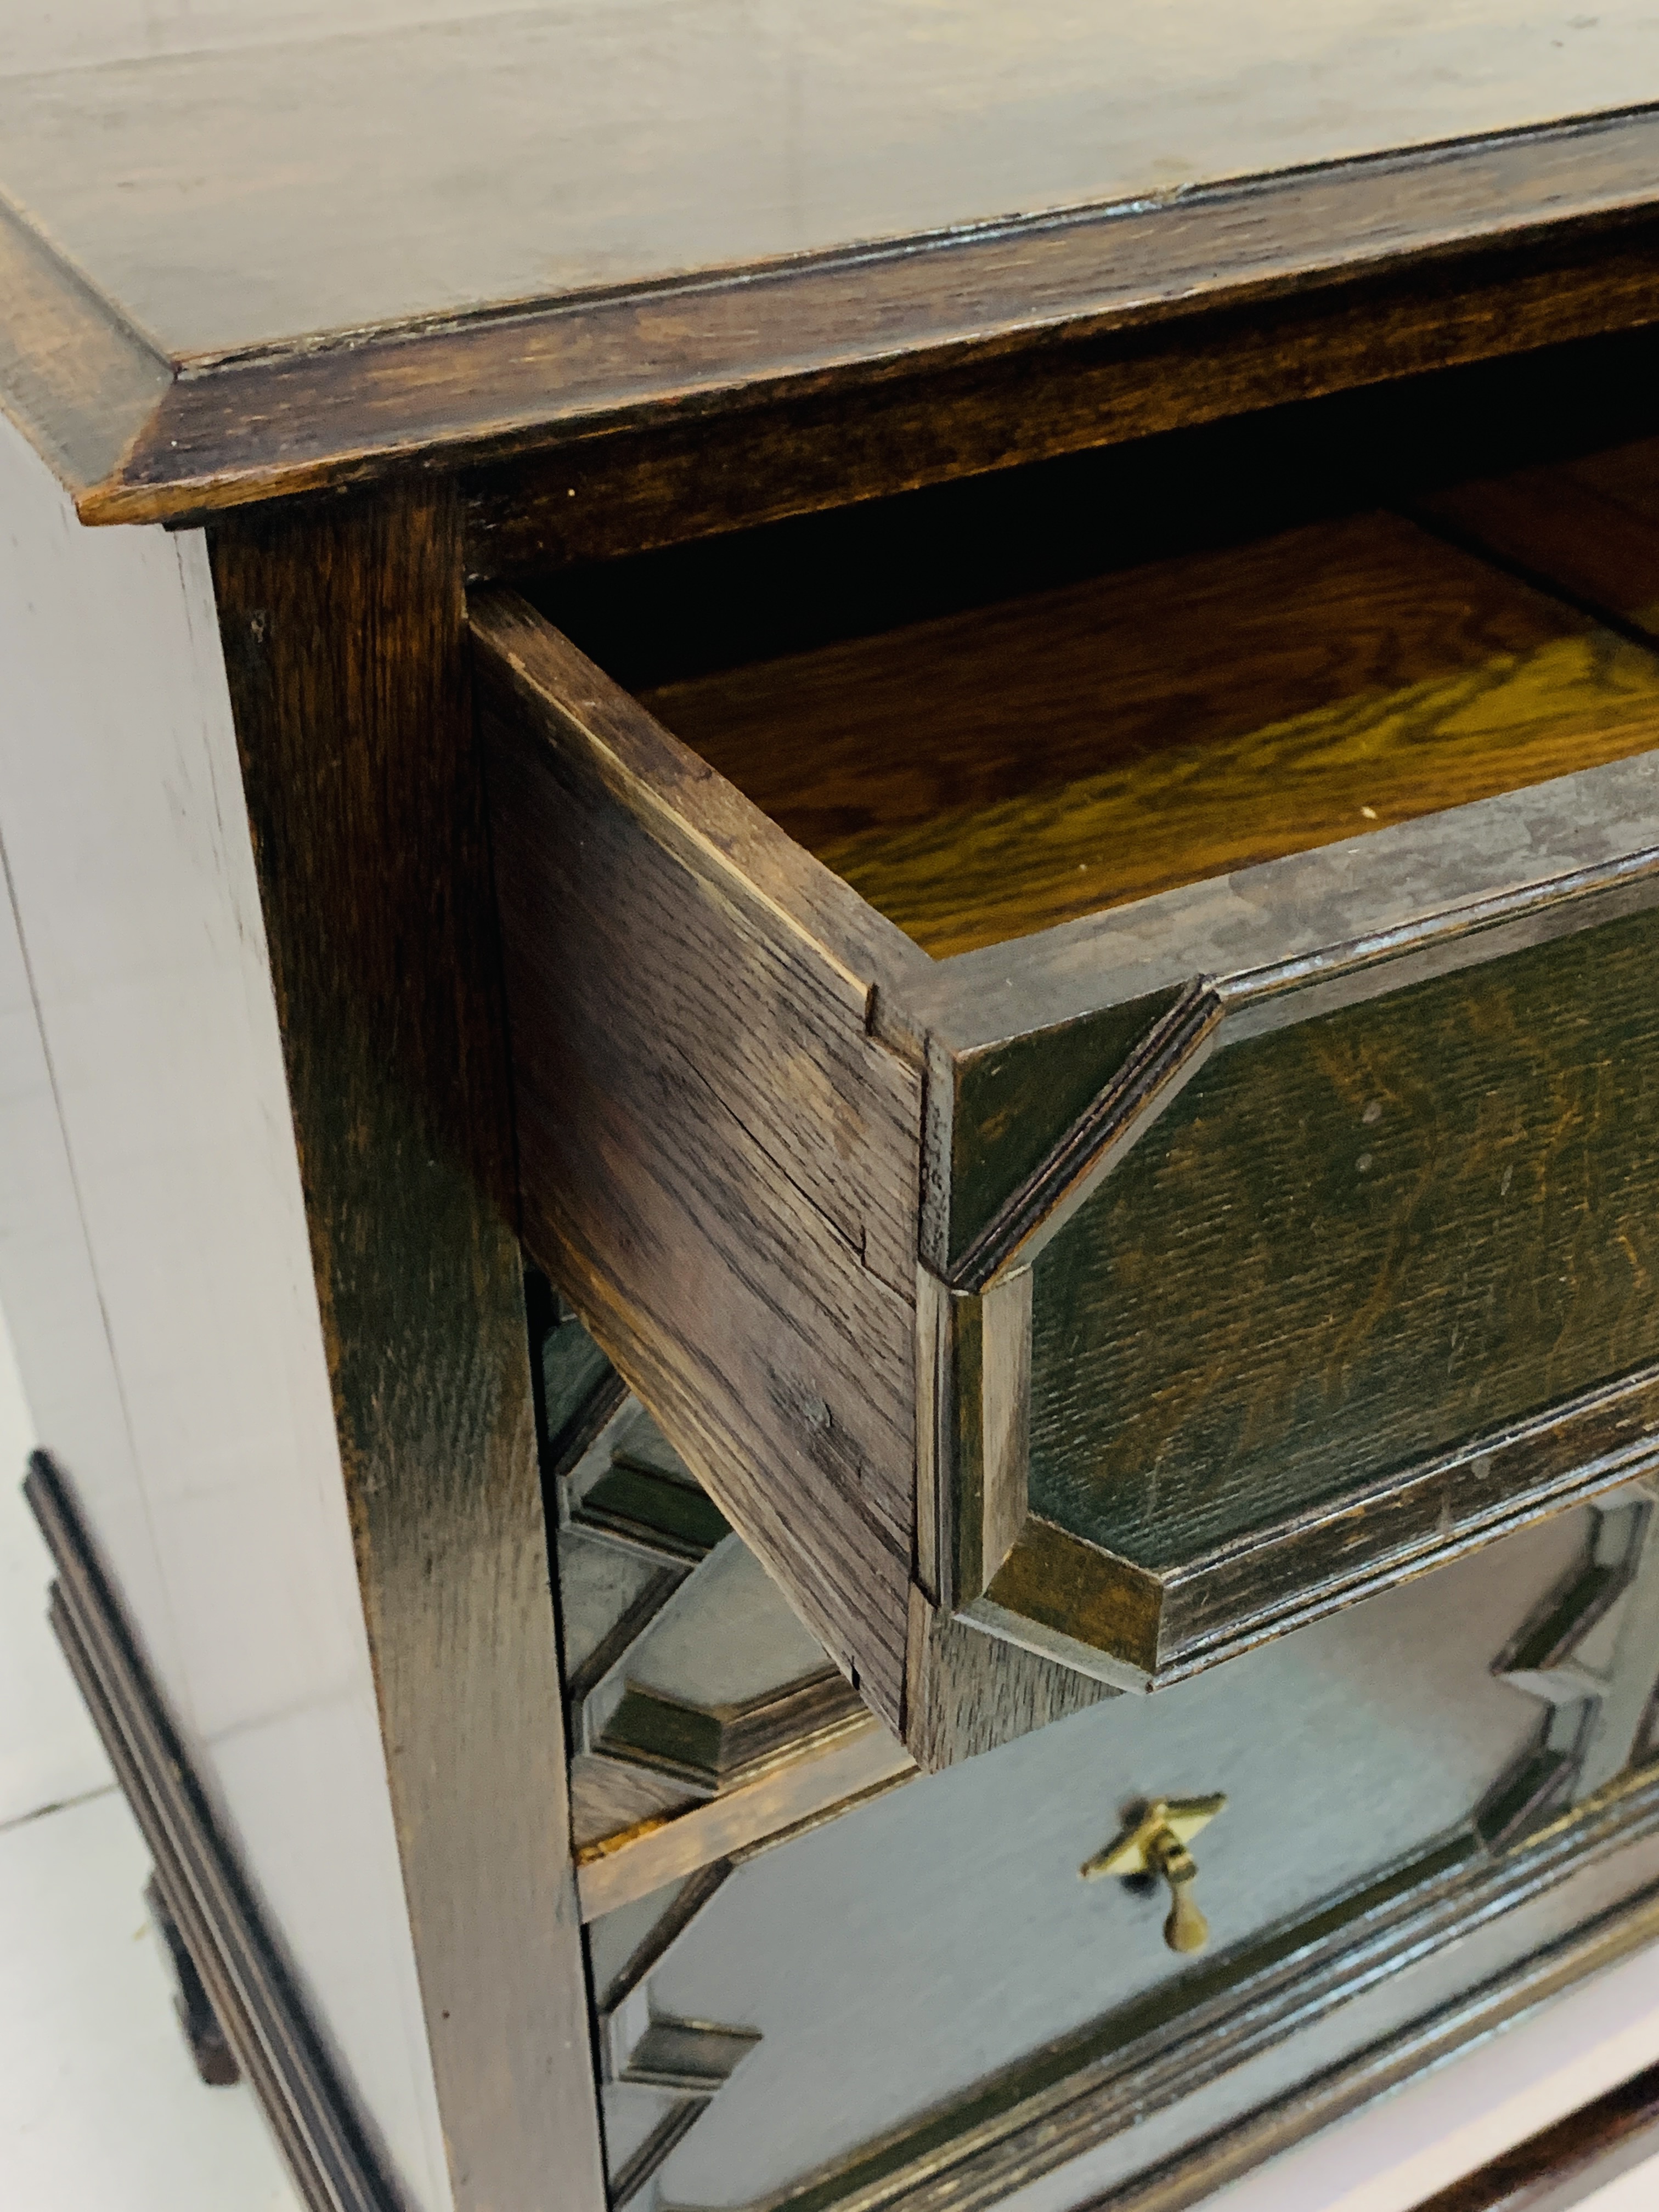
(1186, 1929)
(1155, 1842)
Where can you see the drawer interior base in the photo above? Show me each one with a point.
(989, 716)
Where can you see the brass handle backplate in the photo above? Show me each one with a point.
(1155, 1842)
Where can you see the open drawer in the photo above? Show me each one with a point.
(1108, 1117)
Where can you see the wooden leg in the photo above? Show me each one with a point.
(343, 628)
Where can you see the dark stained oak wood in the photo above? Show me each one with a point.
(675, 401)
(989, 774)
(1587, 524)
(623, 1864)
(1123, 2070)
(717, 1158)
(80, 385)
(345, 643)
(237, 198)
(1181, 1589)
(997, 1112)
(1352, 1242)
(747, 1105)
(1104, 1472)
(710, 465)
(608, 1798)
(969, 1693)
(691, 1002)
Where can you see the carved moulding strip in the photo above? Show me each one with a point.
(275, 2046)
(1385, 2065)
(1073, 2096)
(1213, 1012)
(643, 1758)
(1588, 1657)
(618, 1868)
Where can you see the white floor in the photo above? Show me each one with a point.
(100, 2109)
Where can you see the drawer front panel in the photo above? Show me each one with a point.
(921, 1972)
(1344, 1273)
(1356, 1295)
(1355, 1242)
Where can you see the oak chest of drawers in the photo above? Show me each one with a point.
(805, 978)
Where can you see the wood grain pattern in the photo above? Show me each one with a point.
(722, 1746)
(1589, 525)
(969, 1693)
(198, 1423)
(1116, 1552)
(720, 1165)
(1352, 1242)
(610, 1797)
(995, 1115)
(234, 201)
(710, 467)
(988, 774)
(1077, 1599)
(1375, 1534)
(344, 636)
(78, 383)
(1290, 1560)
(779, 386)
(1398, 1723)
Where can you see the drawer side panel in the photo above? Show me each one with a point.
(719, 1166)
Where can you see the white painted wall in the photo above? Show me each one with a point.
(154, 1261)
(50, 1753)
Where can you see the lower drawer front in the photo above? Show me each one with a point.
(1146, 1133)
(922, 1986)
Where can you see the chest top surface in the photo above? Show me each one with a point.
(666, 197)
(252, 195)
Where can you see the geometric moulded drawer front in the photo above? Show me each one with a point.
(1230, 1190)
(1370, 1285)
(1350, 1880)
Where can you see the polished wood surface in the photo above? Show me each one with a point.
(985, 775)
(621, 1864)
(639, 288)
(1586, 525)
(1355, 1242)
(1183, 1083)
(949, 2070)
(1196, 331)
(694, 1061)
(344, 648)
(247, 196)
(253, 270)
